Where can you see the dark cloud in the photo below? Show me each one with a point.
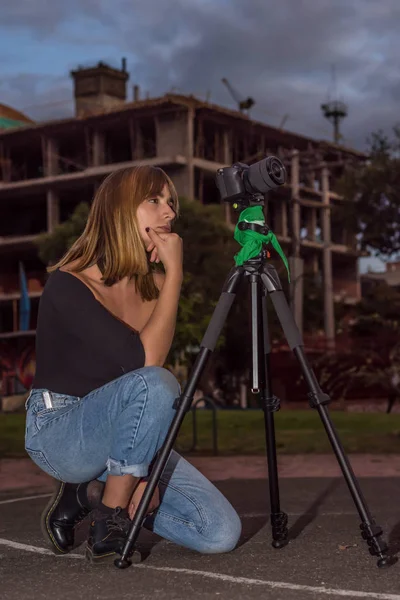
(280, 53)
(44, 18)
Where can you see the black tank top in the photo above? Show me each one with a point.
(80, 345)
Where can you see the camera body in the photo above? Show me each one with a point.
(245, 185)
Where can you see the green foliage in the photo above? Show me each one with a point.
(208, 256)
(381, 300)
(381, 147)
(52, 246)
(372, 360)
(313, 302)
(297, 431)
(372, 192)
(242, 432)
(194, 313)
(208, 244)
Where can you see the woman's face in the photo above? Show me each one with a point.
(157, 213)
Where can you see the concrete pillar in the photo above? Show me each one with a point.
(227, 160)
(190, 152)
(227, 152)
(314, 263)
(295, 184)
(281, 224)
(199, 145)
(5, 163)
(217, 146)
(295, 262)
(50, 156)
(329, 312)
(132, 138)
(136, 139)
(296, 267)
(99, 155)
(311, 217)
(53, 210)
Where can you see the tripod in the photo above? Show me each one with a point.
(264, 282)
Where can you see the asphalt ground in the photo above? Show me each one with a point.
(326, 557)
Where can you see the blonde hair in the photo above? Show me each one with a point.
(111, 237)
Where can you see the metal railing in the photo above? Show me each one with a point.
(194, 408)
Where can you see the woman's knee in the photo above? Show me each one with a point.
(224, 534)
(159, 384)
(159, 376)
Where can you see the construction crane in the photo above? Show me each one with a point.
(243, 105)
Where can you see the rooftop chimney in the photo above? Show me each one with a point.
(136, 93)
(98, 89)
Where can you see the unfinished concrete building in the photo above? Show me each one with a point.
(47, 169)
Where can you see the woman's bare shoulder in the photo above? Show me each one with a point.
(71, 266)
(90, 274)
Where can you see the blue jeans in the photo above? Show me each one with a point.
(117, 429)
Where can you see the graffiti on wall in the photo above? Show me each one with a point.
(17, 365)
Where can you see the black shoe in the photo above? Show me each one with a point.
(107, 535)
(68, 507)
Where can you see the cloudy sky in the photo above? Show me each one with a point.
(283, 54)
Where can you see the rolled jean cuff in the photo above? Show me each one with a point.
(118, 467)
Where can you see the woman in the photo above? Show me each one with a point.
(101, 402)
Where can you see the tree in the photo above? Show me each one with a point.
(209, 249)
(372, 191)
(51, 246)
(382, 300)
(372, 359)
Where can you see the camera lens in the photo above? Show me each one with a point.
(265, 175)
(275, 170)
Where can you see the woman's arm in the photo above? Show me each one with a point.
(158, 333)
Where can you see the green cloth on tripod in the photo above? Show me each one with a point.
(252, 241)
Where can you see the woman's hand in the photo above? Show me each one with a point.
(137, 496)
(154, 256)
(167, 248)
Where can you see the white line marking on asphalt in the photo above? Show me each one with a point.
(282, 585)
(276, 584)
(36, 549)
(12, 500)
(300, 514)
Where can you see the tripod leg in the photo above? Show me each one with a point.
(270, 404)
(182, 405)
(370, 531)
